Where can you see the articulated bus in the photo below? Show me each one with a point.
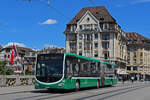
(72, 71)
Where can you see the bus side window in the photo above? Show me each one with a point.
(76, 69)
(89, 68)
(93, 69)
(99, 67)
(68, 68)
(97, 70)
(83, 68)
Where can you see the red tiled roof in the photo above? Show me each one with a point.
(100, 12)
(133, 36)
(20, 49)
(1, 47)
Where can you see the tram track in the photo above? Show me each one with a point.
(113, 93)
(122, 90)
(110, 93)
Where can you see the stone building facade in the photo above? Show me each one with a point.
(93, 32)
(52, 50)
(18, 66)
(138, 59)
(30, 61)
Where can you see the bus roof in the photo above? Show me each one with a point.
(88, 58)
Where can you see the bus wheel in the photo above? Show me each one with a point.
(77, 86)
(97, 84)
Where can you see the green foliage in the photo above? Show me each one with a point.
(9, 71)
(5, 70)
(29, 73)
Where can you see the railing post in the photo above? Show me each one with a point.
(18, 80)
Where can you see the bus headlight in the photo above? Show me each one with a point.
(60, 84)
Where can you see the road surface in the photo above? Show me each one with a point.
(127, 91)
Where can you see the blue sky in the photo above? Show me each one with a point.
(37, 25)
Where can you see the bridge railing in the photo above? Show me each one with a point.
(15, 80)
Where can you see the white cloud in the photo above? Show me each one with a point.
(11, 43)
(49, 21)
(51, 46)
(141, 1)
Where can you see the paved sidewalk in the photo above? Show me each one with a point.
(16, 89)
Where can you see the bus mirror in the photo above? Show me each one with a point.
(69, 77)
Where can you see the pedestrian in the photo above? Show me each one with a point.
(132, 79)
(123, 79)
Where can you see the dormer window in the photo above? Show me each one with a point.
(81, 27)
(105, 26)
(73, 28)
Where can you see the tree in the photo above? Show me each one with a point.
(5, 70)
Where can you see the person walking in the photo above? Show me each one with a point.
(123, 79)
(132, 79)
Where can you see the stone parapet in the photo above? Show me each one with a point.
(15, 80)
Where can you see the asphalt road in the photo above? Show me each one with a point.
(127, 91)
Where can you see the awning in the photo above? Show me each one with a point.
(121, 71)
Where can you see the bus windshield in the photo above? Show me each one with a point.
(49, 67)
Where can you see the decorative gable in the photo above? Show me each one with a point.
(88, 18)
(88, 21)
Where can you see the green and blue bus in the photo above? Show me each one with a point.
(72, 71)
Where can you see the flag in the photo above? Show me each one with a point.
(13, 48)
(12, 58)
(13, 54)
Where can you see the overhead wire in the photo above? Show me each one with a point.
(50, 6)
(55, 9)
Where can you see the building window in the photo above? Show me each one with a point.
(141, 61)
(105, 45)
(129, 68)
(106, 54)
(134, 54)
(73, 28)
(96, 36)
(134, 61)
(128, 54)
(72, 37)
(141, 54)
(105, 26)
(87, 46)
(88, 37)
(96, 45)
(28, 54)
(80, 45)
(96, 54)
(72, 46)
(81, 28)
(87, 53)
(33, 54)
(7, 50)
(128, 61)
(135, 41)
(106, 36)
(80, 36)
(135, 68)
